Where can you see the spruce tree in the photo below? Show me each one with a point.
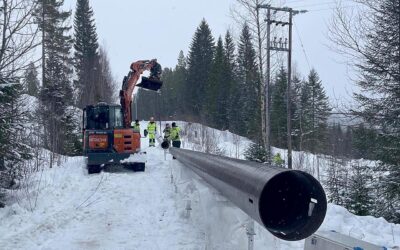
(200, 59)
(248, 83)
(104, 80)
(180, 77)
(31, 81)
(359, 199)
(279, 110)
(315, 113)
(227, 86)
(347, 149)
(14, 149)
(297, 84)
(337, 182)
(374, 43)
(168, 95)
(256, 152)
(56, 92)
(335, 140)
(234, 119)
(217, 92)
(365, 142)
(86, 55)
(379, 99)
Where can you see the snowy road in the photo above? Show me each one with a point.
(122, 210)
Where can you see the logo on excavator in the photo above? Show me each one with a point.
(98, 141)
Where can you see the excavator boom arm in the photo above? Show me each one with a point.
(130, 82)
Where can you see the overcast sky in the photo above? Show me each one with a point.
(133, 30)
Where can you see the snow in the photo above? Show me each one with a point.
(123, 210)
(165, 207)
(8, 84)
(139, 157)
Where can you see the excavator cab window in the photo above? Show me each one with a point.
(119, 119)
(103, 117)
(116, 118)
(97, 117)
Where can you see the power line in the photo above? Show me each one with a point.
(302, 46)
(311, 5)
(341, 7)
(304, 1)
(317, 4)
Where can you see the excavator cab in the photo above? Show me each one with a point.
(151, 83)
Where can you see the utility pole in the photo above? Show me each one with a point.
(267, 102)
(281, 45)
(288, 95)
(43, 43)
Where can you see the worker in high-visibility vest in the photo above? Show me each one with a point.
(167, 131)
(136, 126)
(174, 136)
(152, 130)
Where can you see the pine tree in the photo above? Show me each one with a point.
(86, 55)
(56, 92)
(248, 87)
(200, 59)
(279, 110)
(31, 81)
(315, 113)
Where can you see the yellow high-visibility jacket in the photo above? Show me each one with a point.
(151, 128)
(174, 135)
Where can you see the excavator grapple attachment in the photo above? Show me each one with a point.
(150, 83)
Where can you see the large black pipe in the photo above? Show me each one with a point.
(290, 204)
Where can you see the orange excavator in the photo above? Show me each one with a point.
(107, 134)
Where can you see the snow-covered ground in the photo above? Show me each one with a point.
(122, 210)
(149, 210)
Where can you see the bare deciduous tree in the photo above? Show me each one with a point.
(18, 35)
(247, 11)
